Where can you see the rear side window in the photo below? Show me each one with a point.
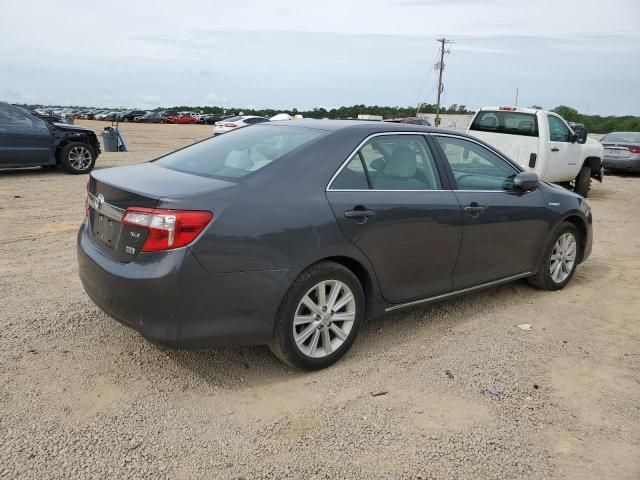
(240, 152)
(390, 162)
(512, 123)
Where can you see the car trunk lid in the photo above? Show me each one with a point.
(111, 191)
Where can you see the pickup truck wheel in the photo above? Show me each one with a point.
(78, 157)
(560, 259)
(583, 182)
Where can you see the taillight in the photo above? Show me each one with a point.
(167, 228)
(634, 149)
(508, 109)
(86, 200)
(230, 125)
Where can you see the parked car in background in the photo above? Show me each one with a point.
(541, 142)
(292, 234)
(280, 116)
(621, 151)
(234, 123)
(184, 119)
(151, 117)
(130, 115)
(411, 121)
(29, 141)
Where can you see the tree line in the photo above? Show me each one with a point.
(599, 124)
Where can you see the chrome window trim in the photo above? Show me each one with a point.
(106, 209)
(357, 149)
(458, 292)
(508, 161)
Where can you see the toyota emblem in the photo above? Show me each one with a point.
(99, 201)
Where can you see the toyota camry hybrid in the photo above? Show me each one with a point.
(293, 234)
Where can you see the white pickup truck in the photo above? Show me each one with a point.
(542, 142)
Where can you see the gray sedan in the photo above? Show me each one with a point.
(293, 234)
(621, 151)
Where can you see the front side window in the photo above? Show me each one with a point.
(475, 167)
(512, 123)
(392, 162)
(240, 152)
(558, 131)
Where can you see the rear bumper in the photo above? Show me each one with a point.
(626, 164)
(172, 301)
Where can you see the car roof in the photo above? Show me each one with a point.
(363, 125)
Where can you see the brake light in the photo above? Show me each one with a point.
(167, 229)
(508, 109)
(634, 149)
(230, 125)
(86, 200)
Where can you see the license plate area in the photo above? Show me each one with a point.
(105, 230)
(616, 152)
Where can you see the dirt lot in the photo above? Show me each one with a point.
(84, 397)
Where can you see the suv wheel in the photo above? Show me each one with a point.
(560, 260)
(319, 317)
(77, 157)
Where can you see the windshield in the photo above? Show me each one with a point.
(512, 123)
(240, 152)
(624, 137)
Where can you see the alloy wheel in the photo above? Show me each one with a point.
(563, 257)
(323, 319)
(80, 158)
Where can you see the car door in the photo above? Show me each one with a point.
(503, 230)
(24, 139)
(393, 202)
(563, 152)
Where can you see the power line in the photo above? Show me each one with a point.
(424, 84)
(440, 67)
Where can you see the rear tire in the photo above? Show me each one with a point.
(560, 261)
(77, 157)
(313, 329)
(583, 182)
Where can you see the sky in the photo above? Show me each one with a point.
(302, 53)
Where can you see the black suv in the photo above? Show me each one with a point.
(29, 141)
(129, 115)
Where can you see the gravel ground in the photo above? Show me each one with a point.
(84, 397)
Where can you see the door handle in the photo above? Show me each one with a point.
(474, 210)
(359, 213)
(555, 149)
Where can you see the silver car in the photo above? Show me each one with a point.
(621, 151)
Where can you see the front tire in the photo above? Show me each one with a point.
(583, 182)
(78, 157)
(560, 259)
(319, 317)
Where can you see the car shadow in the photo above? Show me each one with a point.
(246, 367)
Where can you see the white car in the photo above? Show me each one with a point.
(542, 142)
(233, 123)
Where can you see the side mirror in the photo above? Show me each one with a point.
(525, 181)
(580, 134)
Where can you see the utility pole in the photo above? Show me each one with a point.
(516, 97)
(440, 67)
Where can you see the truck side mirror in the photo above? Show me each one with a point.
(580, 134)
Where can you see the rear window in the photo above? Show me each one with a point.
(624, 137)
(512, 123)
(238, 153)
